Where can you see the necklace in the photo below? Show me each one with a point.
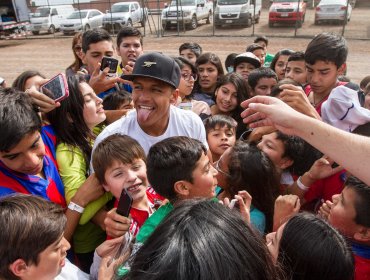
(314, 103)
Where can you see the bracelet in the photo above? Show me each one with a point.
(301, 185)
(75, 207)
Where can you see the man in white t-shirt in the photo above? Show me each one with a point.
(155, 79)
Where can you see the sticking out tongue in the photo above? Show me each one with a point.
(143, 114)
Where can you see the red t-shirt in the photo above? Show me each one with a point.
(362, 268)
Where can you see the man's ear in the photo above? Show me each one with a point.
(285, 163)
(342, 69)
(182, 188)
(174, 96)
(18, 268)
(362, 235)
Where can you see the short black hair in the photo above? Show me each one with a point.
(253, 47)
(171, 160)
(229, 61)
(20, 82)
(94, 36)
(262, 38)
(194, 47)
(297, 56)
(114, 100)
(259, 73)
(129, 31)
(18, 117)
(277, 55)
(294, 148)
(362, 201)
(327, 47)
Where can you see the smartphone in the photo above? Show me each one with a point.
(124, 204)
(56, 88)
(110, 62)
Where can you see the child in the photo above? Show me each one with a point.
(32, 244)
(261, 81)
(263, 41)
(245, 63)
(118, 167)
(191, 51)
(349, 214)
(296, 68)
(119, 100)
(279, 62)
(220, 131)
(258, 51)
(229, 62)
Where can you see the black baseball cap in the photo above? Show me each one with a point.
(157, 66)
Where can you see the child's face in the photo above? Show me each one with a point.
(342, 214)
(27, 156)
(93, 112)
(244, 68)
(226, 98)
(264, 86)
(274, 148)
(51, 261)
(220, 139)
(208, 74)
(296, 70)
(273, 242)
(189, 54)
(126, 105)
(130, 49)
(322, 76)
(204, 179)
(95, 53)
(186, 82)
(280, 66)
(261, 54)
(129, 176)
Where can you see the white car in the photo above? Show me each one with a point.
(333, 10)
(82, 20)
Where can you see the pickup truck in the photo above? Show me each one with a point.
(287, 11)
(124, 14)
(14, 17)
(187, 12)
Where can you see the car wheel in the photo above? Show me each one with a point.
(35, 32)
(257, 19)
(166, 26)
(129, 22)
(194, 22)
(249, 21)
(208, 20)
(87, 27)
(51, 29)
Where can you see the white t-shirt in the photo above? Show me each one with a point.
(71, 272)
(181, 123)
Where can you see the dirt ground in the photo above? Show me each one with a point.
(51, 56)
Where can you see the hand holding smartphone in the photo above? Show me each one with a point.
(124, 204)
(110, 62)
(56, 88)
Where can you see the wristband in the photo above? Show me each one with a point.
(301, 185)
(75, 207)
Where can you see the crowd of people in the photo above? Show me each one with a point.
(251, 168)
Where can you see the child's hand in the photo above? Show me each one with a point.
(109, 247)
(115, 224)
(325, 208)
(245, 200)
(322, 168)
(285, 207)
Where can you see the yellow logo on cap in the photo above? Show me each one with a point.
(149, 63)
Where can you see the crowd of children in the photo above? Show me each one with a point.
(254, 171)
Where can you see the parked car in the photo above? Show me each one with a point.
(124, 14)
(81, 21)
(333, 10)
(49, 18)
(287, 11)
(237, 12)
(187, 13)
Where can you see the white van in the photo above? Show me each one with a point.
(49, 18)
(237, 12)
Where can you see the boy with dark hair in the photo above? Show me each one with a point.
(263, 41)
(32, 244)
(261, 81)
(129, 48)
(349, 214)
(258, 51)
(296, 68)
(191, 51)
(325, 58)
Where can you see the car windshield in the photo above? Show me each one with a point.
(41, 12)
(231, 2)
(77, 14)
(287, 1)
(120, 8)
(337, 2)
(183, 3)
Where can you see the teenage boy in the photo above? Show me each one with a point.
(258, 51)
(325, 58)
(191, 51)
(155, 79)
(32, 244)
(349, 214)
(261, 81)
(296, 68)
(129, 48)
(263, 41)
